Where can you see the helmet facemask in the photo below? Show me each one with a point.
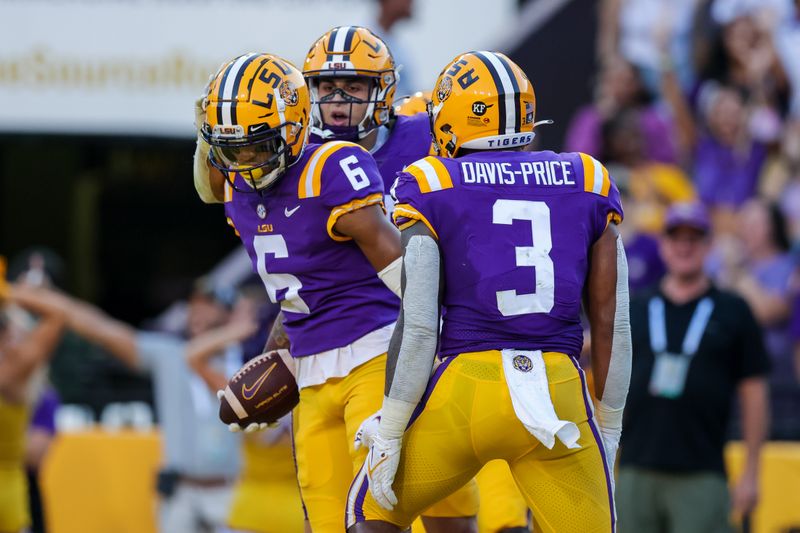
(375, 113)
(260, 159)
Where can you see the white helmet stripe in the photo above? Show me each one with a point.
(341, 37)
(226, 93)
(508, 88)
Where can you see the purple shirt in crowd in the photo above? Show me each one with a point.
(585, 134)
(645, 267)
(515, 230)
(44, 417)
(723, 176)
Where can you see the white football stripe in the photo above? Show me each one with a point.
(341, 35)
(234, 403)
(309, 177)
(508, 88)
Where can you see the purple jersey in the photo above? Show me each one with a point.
(329, 293)
(409, 140)
(515, 230)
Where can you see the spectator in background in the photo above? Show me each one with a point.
(81, 372)
(652, 186)
(620, 89)
(268, 473)
(760, 271)
(780, 181)
(25, 346)
(41, 431)
(390, 13)
(640, 29)
(794, 328)
(787, 46)
(728, 159)
(695, 347)
(200, 455)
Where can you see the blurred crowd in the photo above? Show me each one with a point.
(700, 100)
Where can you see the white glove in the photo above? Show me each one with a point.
(382, 462)
(610, 422)
(252, 427)
(367, 431)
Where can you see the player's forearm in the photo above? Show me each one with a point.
(418, 334)
(755, 416)
(278, 339)
(608, 317)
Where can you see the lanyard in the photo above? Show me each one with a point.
(694, 333)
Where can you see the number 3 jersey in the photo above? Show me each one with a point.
(515, 230)
(329, 293)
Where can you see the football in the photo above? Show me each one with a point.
(263, 390)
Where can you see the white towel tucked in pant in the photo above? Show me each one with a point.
(526, 377)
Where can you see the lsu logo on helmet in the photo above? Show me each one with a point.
(482, 101)
(347, 52)
(257, 117)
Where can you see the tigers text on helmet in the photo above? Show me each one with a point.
(256, 118)
(351, 52)
(481, 101)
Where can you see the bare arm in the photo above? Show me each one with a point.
(87, 321)
(768, 308)
(21, 360)
(601, 304)
(278, 339)
(203, 348)
(378, 239)
(754, 407)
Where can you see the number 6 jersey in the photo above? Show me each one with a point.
(329, 293)
(514, 230)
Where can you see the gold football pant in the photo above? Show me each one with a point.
(325, 424)
(466, 419)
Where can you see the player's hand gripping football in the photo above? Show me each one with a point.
(252, 427)
(367, 431)
(382, 462)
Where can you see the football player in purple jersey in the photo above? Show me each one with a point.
(311, 219)
(352, 78)
(508, 244)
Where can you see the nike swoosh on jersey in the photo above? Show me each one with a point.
(249, 392)
(289, 212)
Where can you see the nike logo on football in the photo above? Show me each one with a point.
(248, 393)
(289, 212)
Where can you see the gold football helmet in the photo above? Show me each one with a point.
(413, 104)
(346, 52)
(256, 118)
(481, 101)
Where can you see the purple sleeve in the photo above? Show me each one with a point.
(350, 174)
(44, 417)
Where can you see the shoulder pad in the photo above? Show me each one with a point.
(595, 175)
(309, 184)
(431, 174)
